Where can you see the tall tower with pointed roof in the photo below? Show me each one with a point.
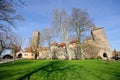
(101, 40)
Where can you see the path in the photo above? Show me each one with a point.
(6, 60)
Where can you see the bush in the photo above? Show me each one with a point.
(98, 57)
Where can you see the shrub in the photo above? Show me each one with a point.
(98, 57)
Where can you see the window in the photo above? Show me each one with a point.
(26, 54)
(31, 54)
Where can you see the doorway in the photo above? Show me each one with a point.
(20, 55)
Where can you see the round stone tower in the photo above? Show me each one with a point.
(35, 39)
(101, 40)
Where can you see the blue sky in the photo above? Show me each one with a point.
(38, 15)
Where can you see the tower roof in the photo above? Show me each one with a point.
(96, 28)
(74, 40)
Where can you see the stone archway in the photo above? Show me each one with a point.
(20, 55)
(104, 54)
(8, 56)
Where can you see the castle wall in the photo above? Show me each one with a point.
(69, 51)
(45, 54)
(62, 53)
(73, 51)
(59, 52)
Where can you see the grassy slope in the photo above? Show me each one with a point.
(60, 70)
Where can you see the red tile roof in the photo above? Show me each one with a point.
(29, 49)
(61, 44)
(74, 40)
(54, 44)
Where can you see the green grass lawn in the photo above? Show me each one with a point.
(60, 70)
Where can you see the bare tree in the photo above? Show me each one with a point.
(81, 22)
(17, 42)
(42, 40)
(8, 15)
(7, 40)
(61, 23)
(47, 35)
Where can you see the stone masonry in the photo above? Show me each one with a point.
(72, 50)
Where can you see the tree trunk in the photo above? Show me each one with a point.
(13, 52)
(13, 59)
(66, 51)
(78, 32)
(0, 55)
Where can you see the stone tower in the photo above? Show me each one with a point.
(35, 39)
(101, 40)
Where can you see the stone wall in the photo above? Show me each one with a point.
(66, 52)
(100, 39)
(73, 50)
(45, 54)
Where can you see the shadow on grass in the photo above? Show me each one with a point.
(51, 67)
(75, 72)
